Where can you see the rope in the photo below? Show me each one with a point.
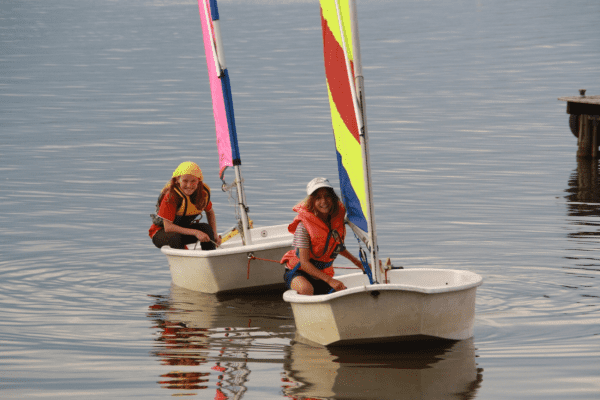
(198, 243)
(233, 201)
(252, 257)
(363, 260)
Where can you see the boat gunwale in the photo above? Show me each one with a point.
(199, 253)
(261, 244)
(292, 296)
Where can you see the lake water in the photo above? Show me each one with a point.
(473, 162)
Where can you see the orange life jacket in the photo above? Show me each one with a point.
(188, 208)
(186, 212)
(323, 239)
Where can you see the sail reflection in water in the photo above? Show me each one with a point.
(424, 370)
(204, 335)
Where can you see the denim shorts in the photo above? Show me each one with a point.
(319, 286)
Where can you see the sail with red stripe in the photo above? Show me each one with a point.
(343, 73)
(345, 112)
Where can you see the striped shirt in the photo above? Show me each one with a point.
(301, 238)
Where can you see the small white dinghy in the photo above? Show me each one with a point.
(233, 266)
(417, 302)
(380, 305)
(236, 265)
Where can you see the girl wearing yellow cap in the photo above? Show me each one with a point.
(182, 200)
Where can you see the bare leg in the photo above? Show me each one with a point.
(302, 286)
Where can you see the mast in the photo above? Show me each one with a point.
(247, 237)
(358, 95)
(364, 140)
(229, 154)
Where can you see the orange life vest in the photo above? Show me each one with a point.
(323, 239)
(186, 212)
(188, 208)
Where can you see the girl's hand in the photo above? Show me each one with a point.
(219, 240)
(336, 285)
(203, 237)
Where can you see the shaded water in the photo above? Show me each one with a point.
(473, 162)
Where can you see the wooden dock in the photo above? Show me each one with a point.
(585, 112)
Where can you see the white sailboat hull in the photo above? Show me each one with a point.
(438, 303)
(226, 269)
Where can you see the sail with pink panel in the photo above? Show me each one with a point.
(220, 87)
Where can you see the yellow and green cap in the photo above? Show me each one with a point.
(188, 168)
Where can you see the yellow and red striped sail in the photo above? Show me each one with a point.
(345, 115)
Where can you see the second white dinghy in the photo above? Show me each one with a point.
(385, 304)
(233, 266)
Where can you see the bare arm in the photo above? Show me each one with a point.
(309, 268)
(172, 227)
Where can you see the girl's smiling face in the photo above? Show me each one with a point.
(323, 202)
(188, 184)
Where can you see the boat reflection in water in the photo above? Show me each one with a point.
(218, 335)
(209, 344)
(409, 370)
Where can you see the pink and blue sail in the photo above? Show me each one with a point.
(220, 87)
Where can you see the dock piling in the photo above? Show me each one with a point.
(587, 110)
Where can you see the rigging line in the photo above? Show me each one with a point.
(234, 201)
(349, 71)
(362, 255)
(252, 257)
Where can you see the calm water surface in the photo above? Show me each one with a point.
(474, 168)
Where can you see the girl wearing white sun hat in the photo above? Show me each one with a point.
(319, 234)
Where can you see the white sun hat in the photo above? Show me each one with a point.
(317, 183)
